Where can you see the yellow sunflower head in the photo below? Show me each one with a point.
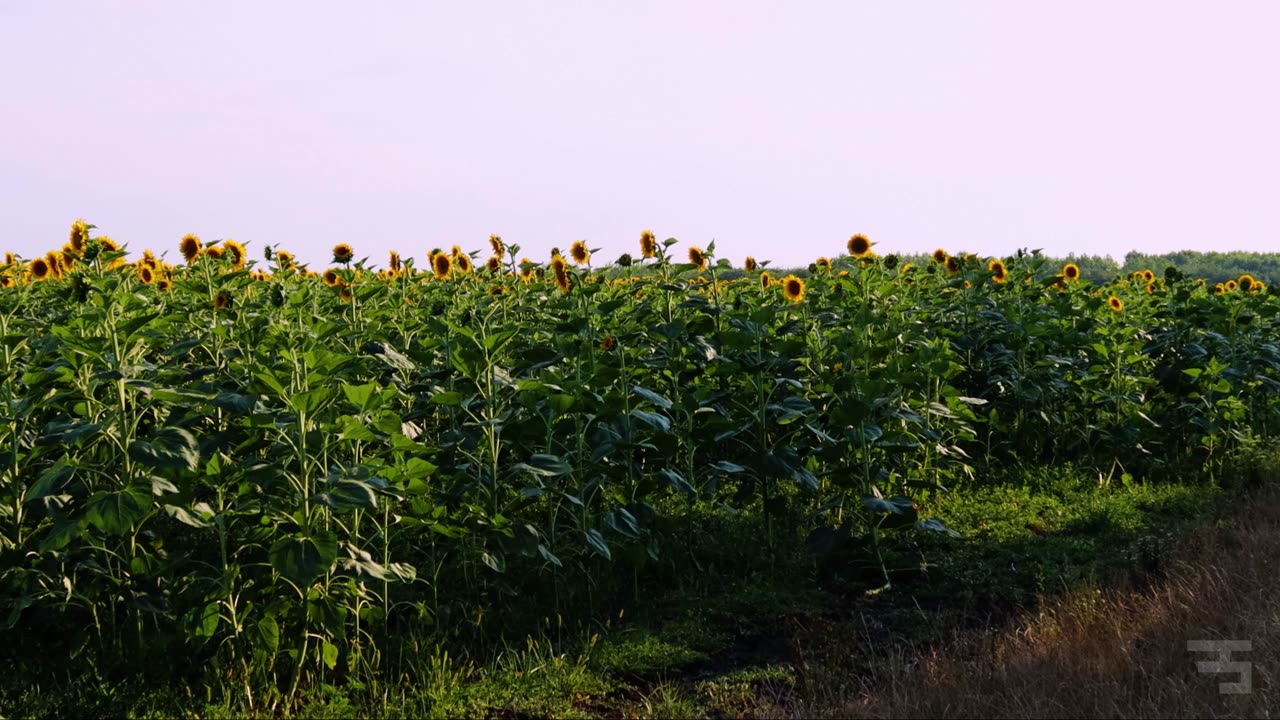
(1071, 271)
(190, 247)
(1246, 282)
(234, 251)
(579, 252)
(393, 262)
(495, 242)
(750, 264)
(793, 288)
(824, 263)
(344, 294)
(222, 300)
(494, 264)
(39, 269)
(79, 235)
(462, 263)
(1148, 276)
(342, 253)
(998, 271)
(214, 252)
(1219, 288)
(940, 256)
(1115, 304)
(1231, 285)
(560, 269)
(441, 265)
(698, 258)
(1151, 288)
(146, 274)
(953, 264)
(859, 245)
(331, 278)
(648, 244)
(526, 269)
(6, 282)
(164, 284)
(284, 260)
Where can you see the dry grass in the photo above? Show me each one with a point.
(1099, 653)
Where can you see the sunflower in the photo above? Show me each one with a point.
(40, 269)
(494, 264)
(6, 281)
(608, 343)
(146, 274)
(164, 284)
(953, 264)
(1231, 285)
(344, 294)
(331, 278)
(495, 242)
(284, 260)
(79, 235)
(10, 259)
(1199, 282)
(1071, 271)
(750, 264)
(859, 245)
(441, 265)
(222, 300)
(579, 252)
(342, 253)
(824, 263)
(1258, 287)
(940, 256)
(393, 262)
(1148, 276)
(463, 263)
(1151, 288)
(906, 268)
(1219, 288)
(235, 251)
(793, 288)
(648, 244)
(55, 263)
(697, 257)
(1246, 282)
(560, 269)
(109, 245)
(526, 269)
(1114, 303)
(190, 247)
(214, 252)
(998, 271)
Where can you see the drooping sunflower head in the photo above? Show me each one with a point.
(222, 300)
(698, 258)
(560, 269)
(859, 245)
(823, 263)
(579, 252)
(393, 262)
(190, 247)
(79, 235)
(1115, 304)
(39, 269)
(750, 264)
(441, 265)
(793, 288)
(648, 244)
(493, 264)
(1246, 282)
(953, 264)
(342, 253)
(146, 273)
(940, 256)
(214, 252)
(998, 271)
(906, 268)
(234, 251)
(1071, 271)
(331, 278)
(495, 242)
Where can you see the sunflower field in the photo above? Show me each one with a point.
(299, 475)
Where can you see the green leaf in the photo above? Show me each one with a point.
(171, 448)
(115, 513)
(311, 401)
(365, 397)
(348, 494)
(447, 398)
(330, 653)
(50, 481)
(304, 559)
(597, 543)
(265, 635)
(652, 397)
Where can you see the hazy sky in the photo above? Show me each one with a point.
(778, 129)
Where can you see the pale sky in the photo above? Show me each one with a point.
(778, 129)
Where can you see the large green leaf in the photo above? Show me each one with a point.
(116, 512)
(304, 559)
(170, 448)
